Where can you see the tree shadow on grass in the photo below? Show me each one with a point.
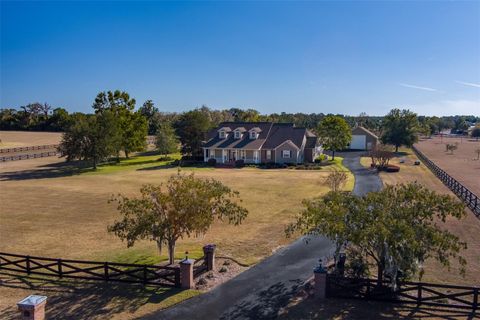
(85, 300)
(304, 305)
(53, 170)
(296, 301)
(358, 309)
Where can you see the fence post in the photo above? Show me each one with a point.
(28, 265)
(144, 274)
(475, 299)
(59, 264)
(105, 270)
(419, 294)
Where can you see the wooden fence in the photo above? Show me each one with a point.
(20, 149)
(419, 293)
(469, 198)
(91, 270)
(28, 156)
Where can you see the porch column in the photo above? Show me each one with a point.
(205, 155)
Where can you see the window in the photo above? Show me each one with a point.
(238, 134)
(255, 156)
(269, 154)
(222, 134)
(253, 135)
(286, 154)
(242, 154)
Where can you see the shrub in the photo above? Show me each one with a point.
(239, 163)
(212, 162)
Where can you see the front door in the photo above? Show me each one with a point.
(232, 155)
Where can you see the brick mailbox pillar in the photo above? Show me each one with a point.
(320, 278)
(32, 307)
(186, 273)
(209, 252)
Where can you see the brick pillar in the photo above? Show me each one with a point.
(209, 252)
(320, 277)
(186, 273)
(32, 307)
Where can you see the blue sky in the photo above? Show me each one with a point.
(331, 57)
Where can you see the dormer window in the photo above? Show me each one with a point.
(238, 133)
(254, 132)
(223, 132)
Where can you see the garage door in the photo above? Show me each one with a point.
(358, 142)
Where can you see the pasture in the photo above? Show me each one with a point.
(462, 164)
(25, 138)
(54, 209)
(467, 229)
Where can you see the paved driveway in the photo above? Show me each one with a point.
(260, 292)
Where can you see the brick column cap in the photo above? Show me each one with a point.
(32, 301)
(187, 261)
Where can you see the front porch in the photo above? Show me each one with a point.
(227, 156)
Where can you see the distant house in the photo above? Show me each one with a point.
(261, 142)
(362, 139)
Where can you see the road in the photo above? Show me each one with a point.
(260, 292)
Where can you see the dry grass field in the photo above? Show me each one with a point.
(49, 209)
(46, 212)
(25, 138)
(467, 229)
(463, 164)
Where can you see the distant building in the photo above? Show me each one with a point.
(261, 142)
(362, 139)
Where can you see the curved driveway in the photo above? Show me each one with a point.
(261, 291)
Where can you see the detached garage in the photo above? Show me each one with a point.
(362, 139)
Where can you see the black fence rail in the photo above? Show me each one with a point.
(28, 156)
(419, 293)
(20, 149)
(469, 198)
(91, 270)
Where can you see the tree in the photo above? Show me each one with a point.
(334, 133)
(132, 125)
(186, 206)
(476, 132)
(90, 138)
(191, 128)
(380, 155)
(134, 132)
(400, 128)
(166, 142)
(396, 228)
(148, 110)
(336, 180)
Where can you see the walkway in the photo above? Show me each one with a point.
(261, 291)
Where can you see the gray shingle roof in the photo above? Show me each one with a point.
(270, 135)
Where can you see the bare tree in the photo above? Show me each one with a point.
(336, 180)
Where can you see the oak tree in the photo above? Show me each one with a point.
(398, 228)
(183, 207)
(334, 133)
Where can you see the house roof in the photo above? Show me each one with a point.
(311, 142)
(360, 129)
(281, 132)
(244, 143)
(270, 136)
